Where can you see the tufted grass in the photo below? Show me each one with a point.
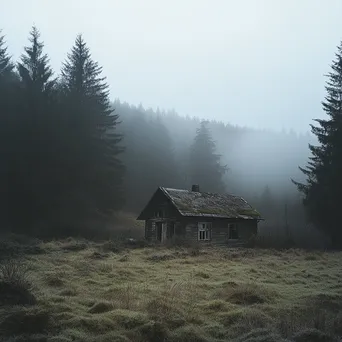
(150, 294)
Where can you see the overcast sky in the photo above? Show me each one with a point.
(257, 63)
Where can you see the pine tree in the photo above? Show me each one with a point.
(164, 169)
(205, 164)
(323, 187)
(32, 163)
(6, 66)
(7, 106)
(34, 69)
(93, 143)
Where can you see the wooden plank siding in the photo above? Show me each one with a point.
(219, 232)
(188, 229)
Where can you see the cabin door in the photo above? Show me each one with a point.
(164, 232)
(161, 231)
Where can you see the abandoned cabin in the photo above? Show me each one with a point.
(198, 216)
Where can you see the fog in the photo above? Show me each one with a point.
(249, 63)
(253, 69)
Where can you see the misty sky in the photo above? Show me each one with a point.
(254, 63)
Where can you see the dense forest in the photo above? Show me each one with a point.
(69, 154)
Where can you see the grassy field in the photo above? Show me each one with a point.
(85, 291)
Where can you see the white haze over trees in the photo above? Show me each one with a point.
(254, 63)
(245, 79)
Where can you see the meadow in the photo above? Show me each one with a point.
(77, 290)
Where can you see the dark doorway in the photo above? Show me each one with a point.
(159, 230)
(171, 230)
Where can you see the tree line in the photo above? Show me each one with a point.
(59, 149)
(68, 154)
(62, 159)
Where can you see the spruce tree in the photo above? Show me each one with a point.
(205, 164)
(34, 69)
(323, 186)
(32, 166)
(95, 173)
(6, 66)
(7, 106)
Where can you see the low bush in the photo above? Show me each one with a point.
(15, 288)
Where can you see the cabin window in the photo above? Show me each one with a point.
(233, 233)
(204, 231)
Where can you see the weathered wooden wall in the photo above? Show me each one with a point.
(187, 228)
(219, 233)
(151, 231)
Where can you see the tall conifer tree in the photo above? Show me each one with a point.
(323, 188)
(94, 145)
(205, 164)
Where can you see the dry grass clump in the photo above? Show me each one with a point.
(246, 293)
(55, 278)
(101, 307)
(310, 319)
(98, 255)
(203, 275)
(161, 257)
(111, 246)
(73, 245)
(151, 332)
(217, 305)
(189, 333)
(15, 287)
(165, 312)
(241, 320)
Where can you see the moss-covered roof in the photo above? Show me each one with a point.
(190, 203)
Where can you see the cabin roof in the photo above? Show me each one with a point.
(205, 204)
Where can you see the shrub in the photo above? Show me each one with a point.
(15, 288)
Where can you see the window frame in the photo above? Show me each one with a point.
(230, 226)
(206, 229)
